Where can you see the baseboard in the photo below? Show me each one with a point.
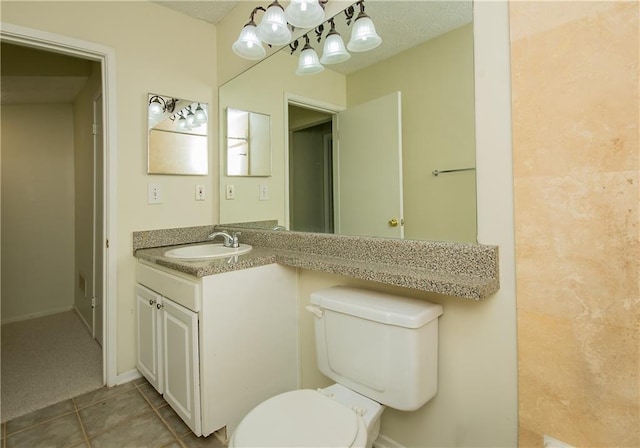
(36, 315)
(385, 442)
(84, 321)
(127, 377)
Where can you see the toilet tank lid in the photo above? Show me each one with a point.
(377, 306)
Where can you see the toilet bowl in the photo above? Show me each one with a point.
(330, 417)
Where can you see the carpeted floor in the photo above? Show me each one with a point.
(46, 360)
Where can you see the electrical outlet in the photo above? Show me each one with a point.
(263, 193)
(154, 194)
(230, 192)
(200, 193)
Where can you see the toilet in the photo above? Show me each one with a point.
(380, 349)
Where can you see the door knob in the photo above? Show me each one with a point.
(393, 222)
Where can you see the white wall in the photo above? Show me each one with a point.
(37, 210)
(156, 50)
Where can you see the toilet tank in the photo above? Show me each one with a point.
(380, 345)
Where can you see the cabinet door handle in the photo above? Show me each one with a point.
(159, 305)
(151, 302)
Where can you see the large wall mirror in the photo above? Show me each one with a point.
(177, 136)
(392, 127)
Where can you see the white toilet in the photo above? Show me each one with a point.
(380, 349)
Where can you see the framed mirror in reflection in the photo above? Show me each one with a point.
(329, 181)
(248, 136)
(177, 136)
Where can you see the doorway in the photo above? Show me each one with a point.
(310, 170)
(98, 279)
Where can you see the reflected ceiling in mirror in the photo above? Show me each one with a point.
(177, 136)
(435, 79)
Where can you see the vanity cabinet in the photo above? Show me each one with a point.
(217, 346)
(168, 356)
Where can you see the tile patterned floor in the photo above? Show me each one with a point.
(130, 415)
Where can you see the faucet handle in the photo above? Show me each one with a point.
(236, 241)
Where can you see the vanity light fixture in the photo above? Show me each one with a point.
(182, 121)
(190, 119)
(159, 105)
(277, 24)
(334, 50)
(273, 28)
(308, 62)
(363, 33)
(248, 44)
(305, 13)
(200, 116)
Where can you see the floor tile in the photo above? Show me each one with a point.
(143, 431)
(152, 395)
(174, 444)
(42, 415)
(108, 413)
(101, 394)
(192, 441)
(175, 423)
(62, 431)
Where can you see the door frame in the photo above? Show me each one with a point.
(308, 103)
(56, 43)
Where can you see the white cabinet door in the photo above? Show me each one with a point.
(181, 362)
(149, 335)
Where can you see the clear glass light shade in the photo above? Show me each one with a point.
(273, 28)
(363, 35)
(248, 45)
(334, 51)
(304, 13)
(155, 108)
(308, 63)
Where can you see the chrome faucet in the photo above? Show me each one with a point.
(229, 240)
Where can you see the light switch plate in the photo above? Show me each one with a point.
(230, 192)
(200, 193)
(154, 194)
(263, 193)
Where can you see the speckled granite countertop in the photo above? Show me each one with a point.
(454, 269)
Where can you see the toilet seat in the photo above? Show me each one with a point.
(300, 418)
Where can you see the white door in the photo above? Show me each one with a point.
(98, 222)
(181, 363)
(368, 195)
(149, 361)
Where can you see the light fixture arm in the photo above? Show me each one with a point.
(253, 13)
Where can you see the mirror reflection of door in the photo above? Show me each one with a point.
(310, 170)
(362, 197)
(369, 186)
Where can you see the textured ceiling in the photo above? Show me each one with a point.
(401, 24)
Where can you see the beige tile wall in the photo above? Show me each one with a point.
(576, 159)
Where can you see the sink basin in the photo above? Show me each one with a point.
(206, 251)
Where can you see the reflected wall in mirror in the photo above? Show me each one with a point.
(248, 136)
(436, 84)
(177, 136)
